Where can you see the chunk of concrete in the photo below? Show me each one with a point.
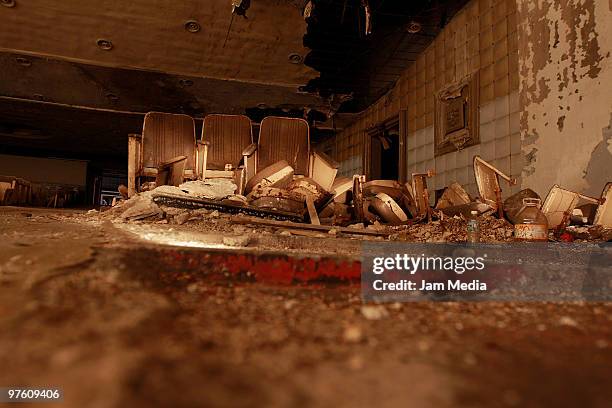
(214, 189)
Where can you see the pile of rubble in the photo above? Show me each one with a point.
(377, 208)
(454, 229)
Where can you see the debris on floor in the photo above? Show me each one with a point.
(215, 189)
(277, 200)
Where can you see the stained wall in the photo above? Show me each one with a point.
(566, 93)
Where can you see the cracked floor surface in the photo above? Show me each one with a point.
(78, 312)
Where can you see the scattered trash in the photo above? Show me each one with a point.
(473, 228)
(531, 223)
(514, 203)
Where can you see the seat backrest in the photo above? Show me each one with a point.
(487, 182)
(558, 206)
(165, 136)
(228, 135)
(284, 139)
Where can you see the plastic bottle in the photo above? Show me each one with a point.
(531, 223)
(473, 228)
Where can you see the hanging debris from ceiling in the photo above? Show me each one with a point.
(239, 8)
(368, 16)
(308, 8)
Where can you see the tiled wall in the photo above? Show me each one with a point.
(481, 37)
(500, 144)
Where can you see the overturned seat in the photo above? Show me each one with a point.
(487, 179)
(283, 154)
(288, 139)
(164, 153)
(224, 141)
(559, 205)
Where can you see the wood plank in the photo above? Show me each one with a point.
(295, 225)
(312, 211)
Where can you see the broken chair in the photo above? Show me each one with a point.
(603, 215)
(165, 152)
(487, 179)
(15, 191)
(226, 147)
(285, 164)
(421, 194)
(559, 205)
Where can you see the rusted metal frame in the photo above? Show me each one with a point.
(403, 137)
(426, 211)
(134, 162)
(358, 201)
(602, 215)
(497, 187)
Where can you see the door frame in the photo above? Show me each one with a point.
(399, 120)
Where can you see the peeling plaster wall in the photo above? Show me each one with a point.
(565, 92)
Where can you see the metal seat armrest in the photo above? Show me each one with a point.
(249, 150)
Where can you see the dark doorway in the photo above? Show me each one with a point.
(385, 155)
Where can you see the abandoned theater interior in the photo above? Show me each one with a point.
(194, 195)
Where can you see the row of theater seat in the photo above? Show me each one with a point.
(225, 148)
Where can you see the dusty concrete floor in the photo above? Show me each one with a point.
(77, 311)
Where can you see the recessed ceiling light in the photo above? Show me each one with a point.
(38, 97)
(23, 61)
(105, 45)
(295, 58)
(185, 83)
(414, 27)
(8, 3)
(262, 105)
(192, 26)
(112, 97)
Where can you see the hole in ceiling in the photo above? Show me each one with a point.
(8, 3)
(105, 45)
(192, 26)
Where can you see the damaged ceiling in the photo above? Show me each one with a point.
(85, 70)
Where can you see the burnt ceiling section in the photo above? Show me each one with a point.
(77, 77)
(84, 85)
(366, 66)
